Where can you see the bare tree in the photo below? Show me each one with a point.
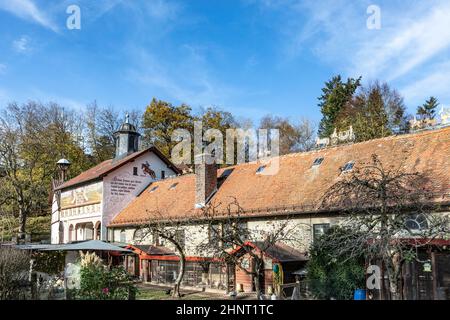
(391, 212)
(101, 123)
(160, 226)
(228, 232)
(294, 137)
(14, 267)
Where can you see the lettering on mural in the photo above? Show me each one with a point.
(122, 186)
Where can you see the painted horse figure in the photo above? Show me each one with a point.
(147, 170)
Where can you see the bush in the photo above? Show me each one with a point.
(14, 268)
(50, 262)
(99, 282)
(334, 276)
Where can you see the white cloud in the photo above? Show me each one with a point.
(45, 96)
(336, 32)
(27, 10)
(162, 9)
(436, 82)
(188, 81)
(405, 45)
(21, 45)
(413, 38)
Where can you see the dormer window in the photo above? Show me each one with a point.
(317, 162)
(226, 173)
(153, 189)
(260, 169)
(173, 186)
(348, 166)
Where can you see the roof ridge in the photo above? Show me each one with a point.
(391, 137)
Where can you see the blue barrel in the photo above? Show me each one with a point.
(359, 294)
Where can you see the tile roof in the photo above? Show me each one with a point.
(152, 250)
(279, 251)
(298, 187)
(107, 166)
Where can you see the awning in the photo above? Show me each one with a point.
(91, 245)
(278, 252)
(302, 272)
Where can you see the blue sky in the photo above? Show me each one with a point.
(247, 56)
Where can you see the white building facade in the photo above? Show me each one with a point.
(83, 207)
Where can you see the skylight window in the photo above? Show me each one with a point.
(260, 169)
(153, 189)
(226, 173)
(317, 162)
(173, 186)
(348, 166)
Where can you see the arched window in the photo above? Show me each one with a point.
(98, 230)
(89, 231)
(71, 233)
(61, 232)
(123, 236)
(138, 235)
(416, 222)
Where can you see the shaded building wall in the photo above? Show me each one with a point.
(121, 186)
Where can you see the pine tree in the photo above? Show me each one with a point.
(428, 109)
(335, 95)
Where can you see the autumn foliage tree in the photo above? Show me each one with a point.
(294, 136)
(376, 111)
(32, 139)
(159, 121)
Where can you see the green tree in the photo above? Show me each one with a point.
(376, 111)
(32, 139)
(161, 119)
(335, 96)
(100, 282)
(214, 118)
(428, 109)
(331, 275)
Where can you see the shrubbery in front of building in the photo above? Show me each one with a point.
(99, 282)
(332, 276)
(14, 271)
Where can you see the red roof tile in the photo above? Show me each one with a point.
(298, 187)
(105, 167)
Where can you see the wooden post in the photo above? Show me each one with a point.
(434, 270)
(145, 270)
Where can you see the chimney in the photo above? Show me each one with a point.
(205, 178)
